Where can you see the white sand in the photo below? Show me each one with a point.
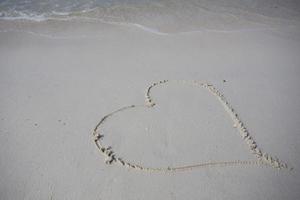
(55, 89)
(111, 157)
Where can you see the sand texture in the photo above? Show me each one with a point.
(231, 130)
(262, 158)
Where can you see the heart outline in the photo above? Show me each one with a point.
(261, 157)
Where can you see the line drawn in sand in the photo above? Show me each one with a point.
(262, 158)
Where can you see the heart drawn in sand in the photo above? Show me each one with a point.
(261, 157)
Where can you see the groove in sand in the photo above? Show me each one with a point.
(262, 158)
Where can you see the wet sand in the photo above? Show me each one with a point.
(56, 86)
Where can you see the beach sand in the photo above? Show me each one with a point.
(57, 85)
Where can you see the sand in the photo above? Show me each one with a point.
(56, 88)
(262, 158)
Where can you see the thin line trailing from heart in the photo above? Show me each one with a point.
(262, 158)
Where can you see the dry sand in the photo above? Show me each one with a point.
(55, 88)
